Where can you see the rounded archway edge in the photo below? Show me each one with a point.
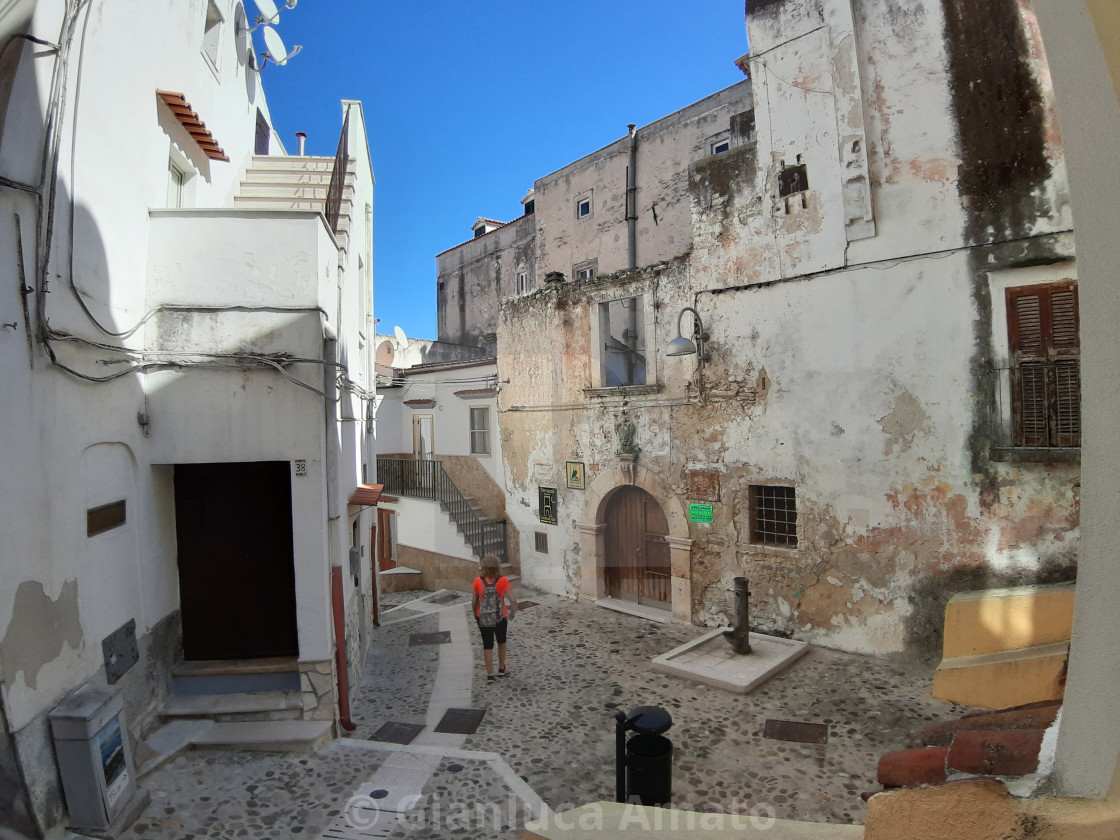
(609, 481)
(592, 528)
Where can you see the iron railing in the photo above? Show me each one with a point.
(426, 479)
(1036, 406)
(332, 207)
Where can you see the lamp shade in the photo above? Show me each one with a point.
(680, 346)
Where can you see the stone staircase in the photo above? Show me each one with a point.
(254, 704)
(1006, 647)
(296, 183)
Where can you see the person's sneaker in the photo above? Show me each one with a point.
(491, 678)
(503, 671)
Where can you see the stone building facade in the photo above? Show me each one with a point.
(889, 410)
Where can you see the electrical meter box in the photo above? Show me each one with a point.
(95, 761)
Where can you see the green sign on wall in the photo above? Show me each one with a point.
(700, 513)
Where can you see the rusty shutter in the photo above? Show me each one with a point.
(1043, 333)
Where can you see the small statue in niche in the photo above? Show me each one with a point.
(624, 428)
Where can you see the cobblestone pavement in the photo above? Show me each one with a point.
(549, 730)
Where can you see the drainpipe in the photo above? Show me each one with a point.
(340, 650)
(330, 433)
(632, 198)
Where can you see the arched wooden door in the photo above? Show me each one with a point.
(637, 554)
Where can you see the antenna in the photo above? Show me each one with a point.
(277, 52)
(402, 339)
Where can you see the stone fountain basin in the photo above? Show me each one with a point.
(710, 659)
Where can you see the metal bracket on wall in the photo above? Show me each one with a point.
(120, 651)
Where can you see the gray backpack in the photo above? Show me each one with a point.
(490, 608)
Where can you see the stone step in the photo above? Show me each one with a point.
(317, 177)
(220, 706)
(290, 202)
(994, 620)
(1001, 680)
(302, 192)
(238, 676)
(277, 736)
(307, 163)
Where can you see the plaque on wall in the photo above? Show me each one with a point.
(547, 500)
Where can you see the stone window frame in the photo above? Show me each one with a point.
(585, 270)
(598, 340)
(775, 549)
(588, 198)
(999, 281)
(721, 139)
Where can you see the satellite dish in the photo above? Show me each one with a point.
(276, 49)
(277, 52)
(402, 339)
(268, 11)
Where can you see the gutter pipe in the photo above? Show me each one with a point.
(330, 446)
(632, 198)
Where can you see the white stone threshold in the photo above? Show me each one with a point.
(640, 610)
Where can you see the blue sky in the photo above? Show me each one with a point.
(467, 104)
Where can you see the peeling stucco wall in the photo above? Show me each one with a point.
(40, 627)
(850, 357)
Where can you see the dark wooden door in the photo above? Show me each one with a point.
(385, 540)
(637, 553)
(236, 571)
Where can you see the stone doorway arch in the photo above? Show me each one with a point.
(592, 529)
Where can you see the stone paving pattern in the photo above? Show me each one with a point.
(552, 720)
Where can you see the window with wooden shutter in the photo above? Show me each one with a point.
(1043, 336)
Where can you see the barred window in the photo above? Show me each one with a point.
(773, 511)
(541, 542)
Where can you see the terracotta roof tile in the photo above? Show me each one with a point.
(191, 122)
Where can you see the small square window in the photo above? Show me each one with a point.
(585, 270)
(541, 542)
(721, 147)
(773, 510)
(583, 206)
(480, 431)
(793, 179)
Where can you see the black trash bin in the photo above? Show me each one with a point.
(649, 769)
(645, 759)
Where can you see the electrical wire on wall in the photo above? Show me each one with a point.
(135, 361)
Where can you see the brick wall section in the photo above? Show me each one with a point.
(437, 571)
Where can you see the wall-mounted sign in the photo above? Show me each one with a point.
(547, 499)
(700, 513)
(301, 467)
(577, 480)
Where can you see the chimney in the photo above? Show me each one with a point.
(301, 141)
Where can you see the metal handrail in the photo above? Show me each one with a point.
(427, 479)
(332, 206)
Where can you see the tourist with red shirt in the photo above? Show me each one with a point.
(491, 591)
